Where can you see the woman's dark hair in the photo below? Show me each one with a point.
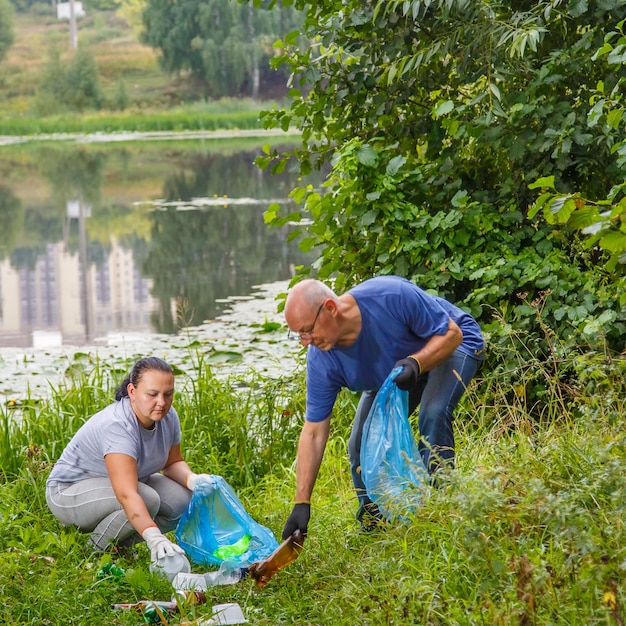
(147, 364)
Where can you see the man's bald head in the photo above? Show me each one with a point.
(304, 298)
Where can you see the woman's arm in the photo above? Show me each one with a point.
(122, 470)
(176, 468)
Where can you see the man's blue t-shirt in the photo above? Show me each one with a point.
(398, 318)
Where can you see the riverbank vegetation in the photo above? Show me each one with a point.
(477, 149)
(112, 82)
(527, 530)
(227, 115)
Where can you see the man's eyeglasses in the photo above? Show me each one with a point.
(305, 334)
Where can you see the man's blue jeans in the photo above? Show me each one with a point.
(437, 393)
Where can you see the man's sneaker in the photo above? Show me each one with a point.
(370, 517)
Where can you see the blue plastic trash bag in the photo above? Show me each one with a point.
(216, 529)
(391, 466)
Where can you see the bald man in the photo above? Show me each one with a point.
(354, 341)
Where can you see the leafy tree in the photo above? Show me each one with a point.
(438, 116)
(83, 82)
(226, 46)
(603, 219)
(132, 12)
(75, 87)
(7, 36)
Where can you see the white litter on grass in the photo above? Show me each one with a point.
(229, 613)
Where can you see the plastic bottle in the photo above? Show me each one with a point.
(186, 581)
(286, 553)
(152, 611)
(234, 549)
(170, 565)
(156, 611)
(225, 576)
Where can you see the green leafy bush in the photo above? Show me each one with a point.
(74, 88)
(440, 120)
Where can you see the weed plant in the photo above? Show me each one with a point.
(529, 528)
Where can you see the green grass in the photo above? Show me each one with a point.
(529, 529)
(182, 119)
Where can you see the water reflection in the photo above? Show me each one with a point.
(106, 240)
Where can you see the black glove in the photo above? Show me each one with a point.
(298, 520)
(407, 378)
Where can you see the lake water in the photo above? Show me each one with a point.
(110, 244)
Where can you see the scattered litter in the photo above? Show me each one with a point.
(229, 613)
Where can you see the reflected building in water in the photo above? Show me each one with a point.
(160, 238)
(56, 302)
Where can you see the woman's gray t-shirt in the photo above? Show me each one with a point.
(116, 429)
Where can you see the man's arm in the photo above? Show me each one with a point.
(311, 448)
(438, 348)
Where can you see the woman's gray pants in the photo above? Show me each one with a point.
(91, 505)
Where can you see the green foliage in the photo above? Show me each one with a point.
(74, 88)
(182, 119)
(436, 117)
(243, 430)
(226, 46)
(99, 5)
(603, 217)
(31, 6)
(131, 11)
(7, 36)
(121, 96)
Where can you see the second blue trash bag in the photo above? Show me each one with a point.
(216, 529)
(391, 466)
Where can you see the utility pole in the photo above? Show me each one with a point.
(73, 30)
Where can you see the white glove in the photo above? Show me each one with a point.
(192, 480)
(159, 545)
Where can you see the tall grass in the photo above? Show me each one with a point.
(529, 529)
(183, 119)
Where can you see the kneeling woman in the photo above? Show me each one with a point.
(122, 477)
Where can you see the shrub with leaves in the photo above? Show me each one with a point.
(438, 118)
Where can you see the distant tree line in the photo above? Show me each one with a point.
(223, 46)
(226, 46)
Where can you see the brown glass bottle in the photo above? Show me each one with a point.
(286, 553)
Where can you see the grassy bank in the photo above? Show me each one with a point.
(528, 530)
(114, 47)
(193, 118)
(154, 100)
